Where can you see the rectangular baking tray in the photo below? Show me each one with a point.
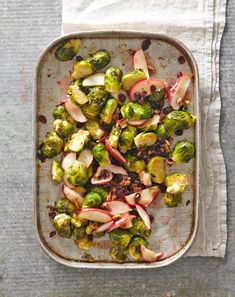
(174, 229)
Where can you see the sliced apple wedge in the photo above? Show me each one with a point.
(145, 88)
(104, 227)
(86, 157)
(177, 92)
(68, 160)
(144, 197)
(116, 169)
(139, 62)
(95, 215)
(145, 178)
(96, 79)
(126, 225)
(122, 221)
(117, 207)
(114, 152)
(130, 199)
(137, 123)
(102, 176)
(144, 216)
(73, 196)
(148, 255)
(75, 111)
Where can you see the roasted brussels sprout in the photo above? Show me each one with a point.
(155, 97)
(77, 141)
(52, 145)
(183, 152)
(83, 240)
(145, 139)
(151, 125)
(171, 200)
(63, 205)
(127, 138)
(136, 111)
(112, 79)
(63, 128)
(129, 79)
(57, 171)
(61, 113)
(97, 98)
(161, 132)
(67, 50)
(76, 222)
(120, 237)
(156, 167)
(108, 110)
(139, 228)
(101, 154)
(103, 194)
(99, 59)
(114, 136)
(94, 129)
(90, 172)
(62, 223)
(77, 96)
(82, 69)
(77, 174)
(134, 247)
(133, 164)
(91, 200)
(176, 183)
(118, 253)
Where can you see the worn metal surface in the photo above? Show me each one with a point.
(25, 271)
(174, 229)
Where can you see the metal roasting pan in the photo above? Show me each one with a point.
(174, 229)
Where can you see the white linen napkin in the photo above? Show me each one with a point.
(199, 24)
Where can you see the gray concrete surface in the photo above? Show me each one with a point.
(25, 271)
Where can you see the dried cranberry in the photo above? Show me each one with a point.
(144, 93)
(42, 119)
(141, 101)
(179, 132)
(137, 197)
(152, 89)
(121, 97)
(52, 234)
(184, 107)
(151, 219)
(52, 214)
(181, 59)
(79, 58)
(167, 109)
(42, 157)
(133, 175)
(145, 44)
(160, 141)
(137, 96)
(179, 74)
(187, 202)
(79, 125)
(162, 187)
(104, 173)
(158, 105)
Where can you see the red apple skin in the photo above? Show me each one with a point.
(146, 87)
(96, 181)
(84, 213)
(113, 152)
(139, 61)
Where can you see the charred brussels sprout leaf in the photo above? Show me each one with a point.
(127, 138)
(118, 253)
(139, 228)
(63, 128)
(136, 111)
(133, 164)
(92, 200)
(129, 79)
(108, 110)
(52, 145)
(112, 79)
(183, 152)
(94, 129)
(67, 50)
(57, 171)
(77, 174)
(171, 200)
(134, 247)
(61, 113)
(101, 154)
(99, 59)
(63, 205)
(62, 223)
(120, 237)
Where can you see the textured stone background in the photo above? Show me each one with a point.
(26, 27)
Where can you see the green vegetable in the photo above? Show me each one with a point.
(112, 79)
(145, 139)
(61, 113)
(127, 138)
(161, 132)
(77, 141)
(176, 183)
(103, 194)
(101, 154)
(76, 222)
(97, 98)
(94, 129)
(57, 171)
(83, 240)
(156, 167)
(63, 128)
(171, 200)
(63, 205)
(131, 78)
(77, 174)
(99, 59)
(134, 247)
(114, 136)
(155, 97)
(139, 228)
(67, 50)
(52, 145)
(118, 253)
(136, 111)
(77, 96)
(120, 237)
(108, 110)
(133, 164)
(62, 223)
(183, 152)
(82, 69)
(92, 200)
(151, 125)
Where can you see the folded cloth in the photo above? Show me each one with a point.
(199, 25)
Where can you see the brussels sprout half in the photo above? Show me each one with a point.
(67, 50)
(62, 223)
(112, 79)
(136, 111)
(101, 154)
(52, 145)
(183, 152)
